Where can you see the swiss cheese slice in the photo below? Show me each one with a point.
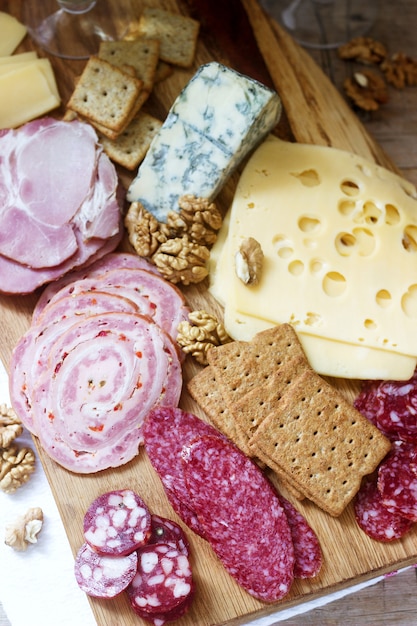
(11, 33)
(339, 235)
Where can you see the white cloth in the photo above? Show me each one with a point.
(38, 586)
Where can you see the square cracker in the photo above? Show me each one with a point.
(132, 144)
(241, 366)
(105, 94)
(321, 442)
(140, 54)
(176, 33)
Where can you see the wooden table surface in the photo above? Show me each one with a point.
(394, 126)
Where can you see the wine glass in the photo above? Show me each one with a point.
(323, 23)
(72, 29)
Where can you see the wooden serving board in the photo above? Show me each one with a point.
(314, 112)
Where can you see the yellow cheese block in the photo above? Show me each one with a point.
(22, 57)
(31, 92)
(11, 33)
(339, 235)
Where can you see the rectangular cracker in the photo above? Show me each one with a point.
(141, 54)
(131, 145)
(241, 366)
(319, 440)
(176, 33)
(105, 94)
(204, 389)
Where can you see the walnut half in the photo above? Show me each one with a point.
(24, 530)
(201, 332)
(248, 261)
(180, 260)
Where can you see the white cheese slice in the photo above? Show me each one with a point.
(216, 120)
(11, 33)
(31, 91)
(339, 235)
(22, 57)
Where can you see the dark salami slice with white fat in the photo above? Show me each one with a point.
(104, 576)
(117, 523)
(163, 584)
(241, 515)
(397, 480)
(392, 407)
(375, 519)
(104, 375)
(166, 531)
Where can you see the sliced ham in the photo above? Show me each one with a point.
(59, 202)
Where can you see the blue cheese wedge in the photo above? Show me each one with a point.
(218, 118)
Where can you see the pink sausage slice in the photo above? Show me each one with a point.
(117, 523)
(104, 576)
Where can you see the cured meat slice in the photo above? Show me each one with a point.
(183, 511)
(241, 515)
(167, 531)
(117, 523)
(166, 431)
(60, 202)
(307, 552)
(161, 300)
(103, 376)
(30, 355)
(103, 576)
(392, 407)
(374, 518)
(397, 480)
(111, 261)
(163, 584)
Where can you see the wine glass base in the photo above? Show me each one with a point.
(323, 24)
(71, 35)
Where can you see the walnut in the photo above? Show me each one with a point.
(25, 529)
(400, 70)
(367, 90)
(144, 230)
(201, 332)
(180, 260)
(16, 466)
(10, 426)
(198, 218)
(248, 261)
(363, 49)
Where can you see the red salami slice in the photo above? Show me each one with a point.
(166, 431)
(392, 407)
(117, 523)
(168, 532)
(104, 576)
(241, 516)
(307, 552)
(397, 480)
(163, 584)
(375, 519)
(103, 376)
(30, 355)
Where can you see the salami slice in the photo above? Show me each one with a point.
(104, 576)
(375, 519)
(103, 376)
(166, 431)
(117, 523)
(163, 585)
(241, 515)
(168, 532)
(392, 407)
(307, 551)
(397, 480)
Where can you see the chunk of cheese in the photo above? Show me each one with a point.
(12, 33)
(339, 236)
(22, 57)
(31, 92)
(216, 120)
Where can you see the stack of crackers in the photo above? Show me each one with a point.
(264, 395)
(116, 82)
